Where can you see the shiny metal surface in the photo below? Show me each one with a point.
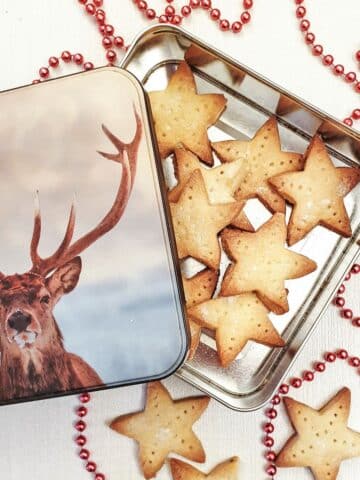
(251, 380)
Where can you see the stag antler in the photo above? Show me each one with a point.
(127, 157)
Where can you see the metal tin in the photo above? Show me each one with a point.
(251, 380)
(122, 319)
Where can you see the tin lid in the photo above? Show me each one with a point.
(106, 278)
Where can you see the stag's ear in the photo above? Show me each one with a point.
(64, 279)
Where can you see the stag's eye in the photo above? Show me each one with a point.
(45, 299)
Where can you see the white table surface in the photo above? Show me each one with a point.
(36, 439)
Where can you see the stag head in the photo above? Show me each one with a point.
(27, 300)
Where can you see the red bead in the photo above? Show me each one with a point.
(206, 4)
(119, 42)
(284, 389)
(35, 82)
(100, 18)
(81, 440)
(111, 56)
(269, 428)
(271, 413)
(330, 357)
(270, 456)
(317, 50)
(342, 289)
(88, 66)
(298, 2)
(215, 14)
(356, 322)
(142, 5)
(356, 267)
(176, 20)
(304, 25)
(80, 426)
(342, 354)
(53, 62)
(109, 29)
(81, 411)
(248, 4)
(354, 362)
(44, 72)
(348, 121)
(90, 8)
(356, 114)
(84, 397)
(194, 3)
(224, 25)
(328, 60)
(107, 42)
(347, 277)
(102, 29)
(245, 17)
(236, 27)
(169, 11)
(276, 400)
(84, 454)
(186, 10)
(357, 55)
(79, 60)
(320, 367)
(99, 476)
(163, 19)
(350, 77)
(300, 12)
(150, 13)
(296, 382)
(308, 376)
(357, 87)
(271, 470)
(309, 38)
(66, 56)
(339, 69)
(82, 1)
(339, 301)
(268, 441)
(347, 313)
(91, 467)
(98, 3)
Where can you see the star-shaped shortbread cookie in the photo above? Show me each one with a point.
(262, 158)
(221, 182)
(262, 263)
(197, 222)
(198, 289)
(227, 470)
(164, 427)
(236, 320)
(322, 440)
(317, 193)
(182, 117)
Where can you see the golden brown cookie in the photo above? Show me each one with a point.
(322, 439)
(227, 470)
(221, 182)
(163, 427)
(182, 117)
(197, 222)
(236, 320)
(262, 263)
(317, 193)
(262, 158)
(197, 289)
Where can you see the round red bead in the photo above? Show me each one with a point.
(236, 27)
(270, 456)
(53, 62)
(296, 382)
(301, 12)
(356, 322)
(330, 357)
(215, 14)
(176, 20)
(309, 38)
(82, 1)
(245, 17)
(348, 121)
(356, 114)
(91, 466)
(88, 66)
(354, 362)
(342, 354)
(320, 367)
(85, 397)
(357, 87)
(36, 81)
(317, 50)
(194, 3)
(142, 5)
(298, 2)
(80, 426)
(109, 29)
(186, 10)
(150, 13)
(111, 56)
(342, 289)
(44, 72)
(357, 55)
(276, 400)
(339, 301)
(347, 313)
(90, 8)
(102, 29)
(350, 77)
(163, 19)
(84, 454)
(99, 476)
(81, 411)
(268, 441)
(304, 25)
(107, 42)
(347, 277)
(98, 3)
(271, 413)
(269, 428)
(328, 60)
(169, 11)
(81, 440)
(308, 376)
(339, 69)
(79, 60)
(284, 389)
(355, 268)
(119, 42)
(66, 56)
(206, 4)
(271, 470)
(224, 25)
(248, 4)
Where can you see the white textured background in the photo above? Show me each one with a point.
(35, 439)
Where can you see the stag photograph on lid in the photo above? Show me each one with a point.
(83, 217)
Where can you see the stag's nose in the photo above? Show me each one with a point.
(19, 321)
